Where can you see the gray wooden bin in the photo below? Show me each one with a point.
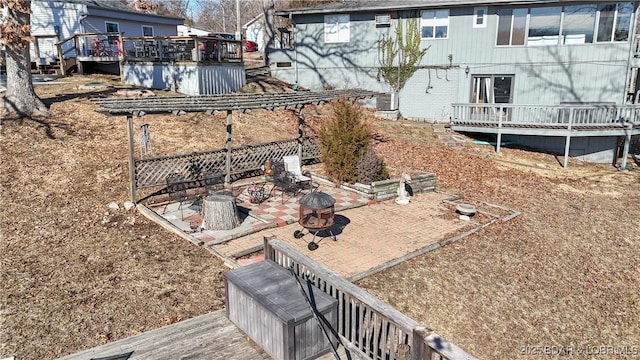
(264, 300)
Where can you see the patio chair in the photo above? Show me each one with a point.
(284, 181)
(213, 182)
(292, 165)
(177, 190)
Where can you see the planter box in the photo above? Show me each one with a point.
(264, 300)
(388, 189)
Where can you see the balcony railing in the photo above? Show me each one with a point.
(566, 116)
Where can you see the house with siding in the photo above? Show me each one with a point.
(53, 21)
(488, 66)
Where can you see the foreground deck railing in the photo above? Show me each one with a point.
(366, 325)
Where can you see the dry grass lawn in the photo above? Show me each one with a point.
(75, 274)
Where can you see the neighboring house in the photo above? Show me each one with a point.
(64, 18)
(497, 52)
(186, 30)
(254, 31)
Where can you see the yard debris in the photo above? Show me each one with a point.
(113, 206)
(135, 93)
(128, 205)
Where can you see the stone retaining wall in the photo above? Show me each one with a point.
(388, 189)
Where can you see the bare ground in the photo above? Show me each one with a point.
(76, 274)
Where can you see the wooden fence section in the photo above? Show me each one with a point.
(371, 327)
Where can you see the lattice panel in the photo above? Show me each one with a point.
(154, 171)
(310, 148)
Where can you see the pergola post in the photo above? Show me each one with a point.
(227, 170)
(132, 164)
(300, 131)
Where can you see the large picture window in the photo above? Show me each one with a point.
(571, 24)
(434, 24)
(336, 29)
(579, 23)
(544, 26)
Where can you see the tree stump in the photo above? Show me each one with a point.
(220, 212)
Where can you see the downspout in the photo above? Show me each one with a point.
(295, 50)
(632, 45)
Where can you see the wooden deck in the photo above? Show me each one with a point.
(209, 336)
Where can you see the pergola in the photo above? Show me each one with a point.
(142, 175)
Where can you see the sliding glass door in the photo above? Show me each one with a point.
(492, 89)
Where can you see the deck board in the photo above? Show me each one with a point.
(209, 336)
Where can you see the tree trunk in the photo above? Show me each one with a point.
(20, 99)
(220, 212)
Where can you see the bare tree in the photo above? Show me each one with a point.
(220, 15)
(15, 31)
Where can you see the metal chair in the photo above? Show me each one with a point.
(177, 190)
(213, 182)
(284, 180)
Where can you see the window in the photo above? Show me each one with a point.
(111, 27)
(480, 17)
(512, 26)
(147, 30)
(614, 21)
(435, 24)
(336, 28)
(578, 24)
(571, 24)
(544, 26)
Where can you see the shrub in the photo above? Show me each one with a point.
(343, 141)
(371, 168)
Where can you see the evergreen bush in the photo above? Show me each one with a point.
(343, 142)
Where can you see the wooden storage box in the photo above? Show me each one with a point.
(264, 300)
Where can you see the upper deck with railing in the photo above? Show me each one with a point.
(113, 47)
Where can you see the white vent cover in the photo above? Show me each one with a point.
(383, 19)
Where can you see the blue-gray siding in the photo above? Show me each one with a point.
(542, 75)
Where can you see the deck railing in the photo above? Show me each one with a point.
(115, 47)
(182, 48)
(552, 116)
(366, 325)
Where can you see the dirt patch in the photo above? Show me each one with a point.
(76, 274)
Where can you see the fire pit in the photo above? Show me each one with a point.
(316, 215)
